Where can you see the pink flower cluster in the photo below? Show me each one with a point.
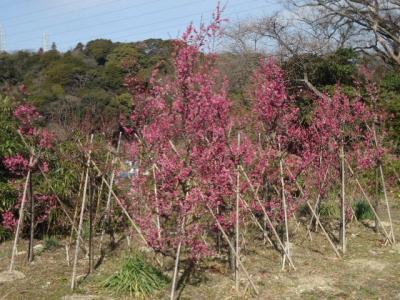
(9, 221)
(27, 115)
(17, 164)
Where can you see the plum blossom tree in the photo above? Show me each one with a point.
(181, 126)
(279, 128)
(39, 141)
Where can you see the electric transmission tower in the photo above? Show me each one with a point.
(45, 42)
(2, 39)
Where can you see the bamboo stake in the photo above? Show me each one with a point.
(178, 253)
(81, 216)
(343, 203)
(256, 221)
(287, 245)
(68, 245)
(318, 201)
(21, 217)
(176, 267)
(107, 221)
(376, 202)
(156, 198)
(369, 202)
(316, 217)
(387, 204)
(99, 194)
(232, 249)
(32, 225)
(137, 229)
(384, 186)
(90, 204)
(267, 218)
(237, 275)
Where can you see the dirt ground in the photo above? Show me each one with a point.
(369, 270)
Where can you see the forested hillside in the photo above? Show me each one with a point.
(86, 82)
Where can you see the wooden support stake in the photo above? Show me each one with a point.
(32, 225)
(317, 202)
(20, 217)
(393, 240)
(287, 245)
(267, 218)
(120, 204)
(68, 246)
(99, 194)
(369, 202)
(156, 198)
(237, 230)
(233, 250)
(387, 204)
(90, 204)
(73, 283)
(107, 219)
(257, 222)
(176, 267)
(343, 202)
(313, 212)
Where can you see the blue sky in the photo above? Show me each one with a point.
(67, 22)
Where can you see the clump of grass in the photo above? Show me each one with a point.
(138, 278)
(363, 211)
(329, 210)
(50, 242)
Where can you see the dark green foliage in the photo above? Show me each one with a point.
(85, 83)
(99, 49)
(138, 278)
(338, 67)
(50, 242)
(4, 234)
(363, 211)
(390, 95)
(391, 82)
(323, 70)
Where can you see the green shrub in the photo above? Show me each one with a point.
(329, 210)
(138, 278)
(363, 211)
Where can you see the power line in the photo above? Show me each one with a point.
(149, 24)
(74, 10)
(122, 19)
(43, 10)
(88, 17)
(180, 25)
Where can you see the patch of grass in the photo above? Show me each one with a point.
(137, 277)
(50, 242)
(363, 210)
(329, 210)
